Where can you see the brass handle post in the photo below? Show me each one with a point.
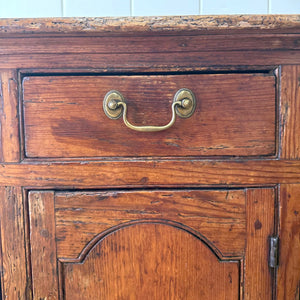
(184, 103)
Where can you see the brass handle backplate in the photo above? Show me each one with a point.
(184, 104)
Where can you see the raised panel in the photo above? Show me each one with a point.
(151, 261)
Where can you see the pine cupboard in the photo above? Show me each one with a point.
(150, 158)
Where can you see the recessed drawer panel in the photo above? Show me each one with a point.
(64, 117)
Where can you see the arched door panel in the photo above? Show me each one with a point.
(173, 244)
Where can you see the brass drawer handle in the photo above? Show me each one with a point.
(183, 105)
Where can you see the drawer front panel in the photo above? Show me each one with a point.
(64, 117)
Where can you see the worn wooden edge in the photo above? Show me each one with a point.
(290, 112)
(288, 280)
(259, 281)
(42, 232)
(120, 174)
(9, 131)
(13, 257)
(148, 24)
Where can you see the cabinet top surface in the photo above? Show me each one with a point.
(151, 24)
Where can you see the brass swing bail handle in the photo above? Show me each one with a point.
(184, 104)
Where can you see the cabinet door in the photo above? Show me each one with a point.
(168, 244)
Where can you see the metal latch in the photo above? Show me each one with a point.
(274, 247)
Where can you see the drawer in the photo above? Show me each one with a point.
(64, 118)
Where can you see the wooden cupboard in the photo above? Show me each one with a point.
(150, 158)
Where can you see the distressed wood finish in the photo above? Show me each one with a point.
(260, 224)
(151, 173)
(154, 244)
(152, 62)
(290, 112)
(152, 44)
(10, 146)
(218, 216)
(42, 245)
(171, 24)
(14, 279)
(72, 123)
(289, 264)
(141, 217)
(151, 261)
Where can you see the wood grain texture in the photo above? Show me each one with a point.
(149, 24)
(235, 115)
(216, 216)
(151, 62)
(13, 259)
(151, 261)
(169, 46)
(42, 244)
(289, 259)
(140, 258)
(290, 112)
(168, 173)
(260, 226)
(9, 118)
(149, 44)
